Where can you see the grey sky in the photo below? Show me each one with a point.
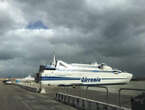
(81, 31)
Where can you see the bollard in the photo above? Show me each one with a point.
(42, 91)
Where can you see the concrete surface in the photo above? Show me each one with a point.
(15, 98)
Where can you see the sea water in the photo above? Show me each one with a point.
(131, 84)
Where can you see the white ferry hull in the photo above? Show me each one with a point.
(69, 78)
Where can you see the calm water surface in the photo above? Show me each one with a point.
(132, 84)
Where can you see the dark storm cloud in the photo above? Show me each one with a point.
(6, 23)
(78, 31)
(6, 55)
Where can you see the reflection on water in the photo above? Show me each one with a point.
(132, 84)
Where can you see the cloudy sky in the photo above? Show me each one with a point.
(83, 31)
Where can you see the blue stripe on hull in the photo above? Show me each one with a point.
(96, 71)
(72, 78)
(58, 78)
(93, 85)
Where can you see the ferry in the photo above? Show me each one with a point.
(61, 73)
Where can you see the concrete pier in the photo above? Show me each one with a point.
(13, 97)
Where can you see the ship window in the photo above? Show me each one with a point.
(50, 69)
(61, 64)
(116, 72)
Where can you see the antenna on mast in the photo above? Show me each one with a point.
(54, 61)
